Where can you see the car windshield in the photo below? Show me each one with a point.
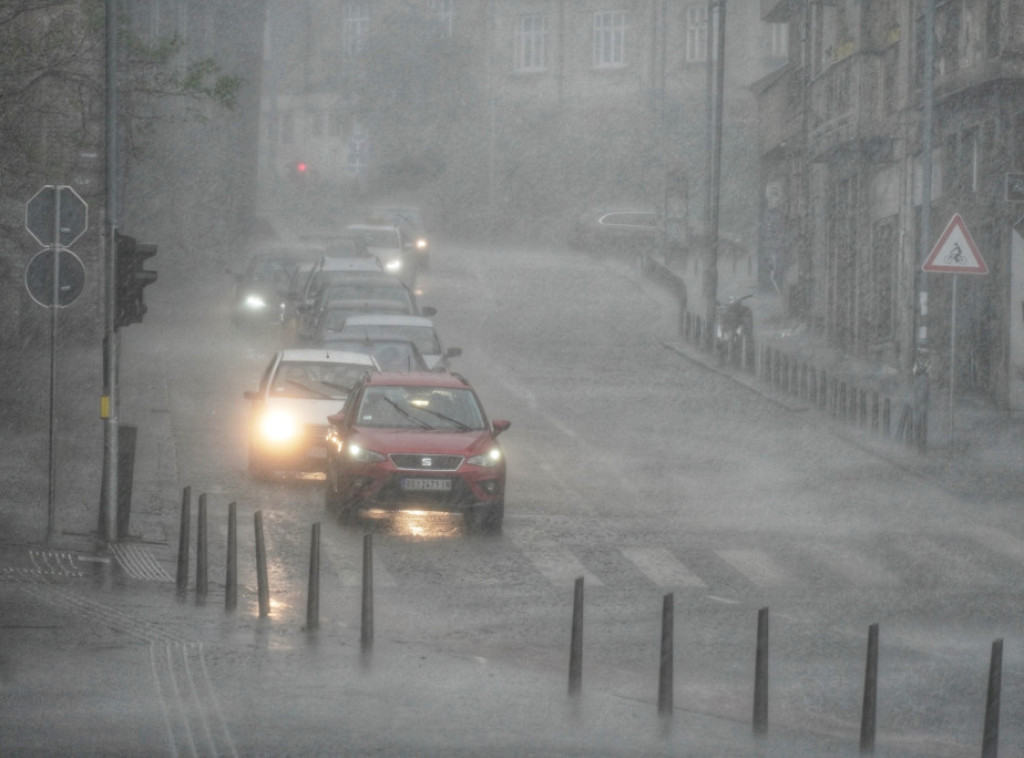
(424, 337)
(430, 408)
(368, 291)
(391, 355)
(274, 270)
(308, 379)
(380, 238)
(346, 248)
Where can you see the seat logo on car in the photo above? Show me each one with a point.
(427, 462)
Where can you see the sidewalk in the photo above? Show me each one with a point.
(976, 453)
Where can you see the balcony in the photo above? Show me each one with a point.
(845, 108)
(778, 104)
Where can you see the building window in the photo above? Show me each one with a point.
(697, 33)
(776, 41)
(355, 20)
(531, 33)
(444, 12)
(609, 39)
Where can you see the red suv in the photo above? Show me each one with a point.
(416, 440)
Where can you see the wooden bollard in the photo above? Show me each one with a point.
(313, 592)
(870, 707)
(667, 657)
(262, 588)
(990, 738)
(231, 570)
(184, 538)
(202, 563)
(576, 642)
(761, 675)
(366, 627)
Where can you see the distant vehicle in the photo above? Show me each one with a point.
(340, 244)
(410, 218)
(288, 414)
(303, 289)
(393, 248)
(418, 329)
(259, 291)
(617, 231)
(330, 319)
(417, 441)
(391, 353)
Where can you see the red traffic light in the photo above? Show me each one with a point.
(300, 167)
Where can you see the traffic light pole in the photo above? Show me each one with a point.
(108, 403)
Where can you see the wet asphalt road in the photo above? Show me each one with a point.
(631, 466)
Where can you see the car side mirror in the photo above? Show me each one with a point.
(336, 419)
(499, 425)
(453, 352)
(428, 311)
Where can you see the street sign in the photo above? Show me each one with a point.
(41, 211)
(70, 277)
(955, 252)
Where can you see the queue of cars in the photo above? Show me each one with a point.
(362, 390)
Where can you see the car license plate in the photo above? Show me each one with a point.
(318, 452)
(427, 485)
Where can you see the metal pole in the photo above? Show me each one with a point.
(667, 656)
(366, 626)
(711, 268)
(202, 564)
(231, 573)
(990, 737)
(313, 587)
(927, 116)
(51, 502)
(870, 705)
(109, 401)
(576, 643)
(952, 358)
(761, 675)
(262, 588)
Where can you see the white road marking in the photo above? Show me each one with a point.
(757, 566)
(661, 567)
(558, 565)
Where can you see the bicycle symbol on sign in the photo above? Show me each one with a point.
(956, 255)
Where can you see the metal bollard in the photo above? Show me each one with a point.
(261, 566)
(761, 675)
(576, 643)
(202, 578)
(184, 538)
(886, 417)
(313, 592)
(870, 706)
(366, 629)
(231, 572)
(990, 738)
(667, 657)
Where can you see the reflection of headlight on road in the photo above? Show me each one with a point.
(421, 243)
(394, 265)
(490, 458)
(255, 302)
(278, 426)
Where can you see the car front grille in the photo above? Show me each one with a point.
(422, 462)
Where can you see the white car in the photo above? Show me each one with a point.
(299, 389)
(392, 247)
(416, 329)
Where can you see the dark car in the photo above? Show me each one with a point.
(260, 288)
(416, 441)
(615, 231)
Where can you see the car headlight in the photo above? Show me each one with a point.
(255, 302)
(395, 264)
(421, 243)
(362, 455)
(278, 426)
(491, 458)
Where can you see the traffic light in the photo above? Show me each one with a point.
(131, 278)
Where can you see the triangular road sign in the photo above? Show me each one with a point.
(955, 252)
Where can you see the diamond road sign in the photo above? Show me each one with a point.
(41, 213)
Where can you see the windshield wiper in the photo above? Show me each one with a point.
(455, 422)
(420, 422)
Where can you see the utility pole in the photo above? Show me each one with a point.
(716, 58)
(108, 403)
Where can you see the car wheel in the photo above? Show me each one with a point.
(335, 502)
